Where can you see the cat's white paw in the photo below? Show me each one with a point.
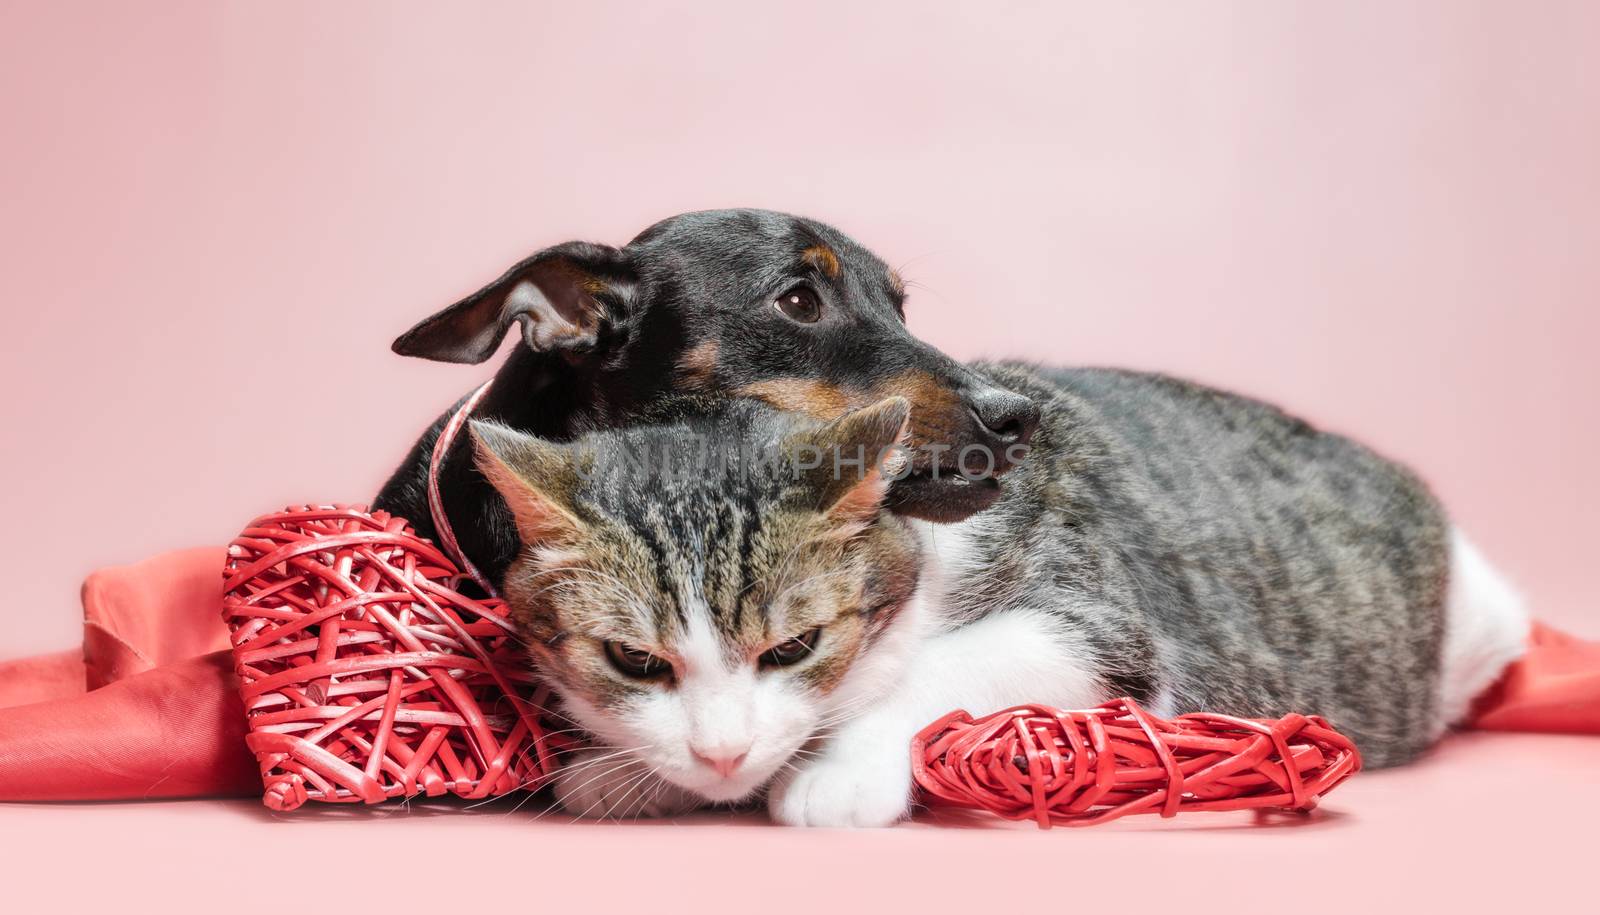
(601, 786)
(854, 783)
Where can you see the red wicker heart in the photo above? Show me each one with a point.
(1081, 768)
(366, 674)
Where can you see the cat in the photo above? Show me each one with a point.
(732, 630)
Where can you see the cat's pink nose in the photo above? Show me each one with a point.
(722, 759)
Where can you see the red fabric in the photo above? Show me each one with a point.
(167, 608)
(40, 679)
(134, 618)
(165, 718)
(1555, 687)
(175, 731)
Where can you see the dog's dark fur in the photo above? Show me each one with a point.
(614, 335)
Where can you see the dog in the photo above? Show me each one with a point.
(713, 304)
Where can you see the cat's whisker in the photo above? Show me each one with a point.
(834, 722)
(523, 802)
(604, 751)
(845, 712)
(602, 757)
(572, 771)
(645, 791)
(526, 783)
(855, 703)
(634, 784)
(661, 787)
(606, 795)
(618, 767)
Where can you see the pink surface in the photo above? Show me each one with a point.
(1488, 823)
(1384, 215)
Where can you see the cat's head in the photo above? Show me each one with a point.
(707, 594)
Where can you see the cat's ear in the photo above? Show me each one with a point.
(536, 478)
(564, 297)
(853, 460)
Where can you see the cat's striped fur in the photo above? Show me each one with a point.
(1187, 547)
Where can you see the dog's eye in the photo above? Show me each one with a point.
(635, 662)
(792, 651)
(799, 304)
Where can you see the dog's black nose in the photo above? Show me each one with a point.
(1010, 418)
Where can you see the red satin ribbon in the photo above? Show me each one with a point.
(441, 521)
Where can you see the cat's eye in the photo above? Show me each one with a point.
(635, 662)
(792, 651)
(799, 304)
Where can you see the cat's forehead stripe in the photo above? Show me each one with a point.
(699, 545)
(749, 524)
(666, 604)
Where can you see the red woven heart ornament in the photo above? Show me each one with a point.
(1081, 768)
(366, 674)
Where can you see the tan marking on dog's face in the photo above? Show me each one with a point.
(697, 368)
(817, 399)
(897, 283)
(822, 258)
(938, 413)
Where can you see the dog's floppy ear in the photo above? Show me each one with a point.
(563, 296)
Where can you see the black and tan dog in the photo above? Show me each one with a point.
(726, 303)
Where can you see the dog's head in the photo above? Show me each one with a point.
(754, 304)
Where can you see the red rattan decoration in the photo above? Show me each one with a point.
(1080, 768)
(366, 674)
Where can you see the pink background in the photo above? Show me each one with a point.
(1383, 215)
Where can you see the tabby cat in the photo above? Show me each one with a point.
(744, 621)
